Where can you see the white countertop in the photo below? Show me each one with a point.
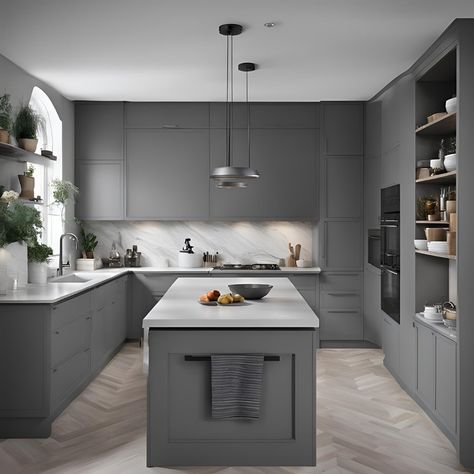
(55, 292)
(283, 307)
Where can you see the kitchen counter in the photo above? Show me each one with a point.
(437, 327)
(283, 307)
(55, 292)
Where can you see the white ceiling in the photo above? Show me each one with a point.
(170, 50)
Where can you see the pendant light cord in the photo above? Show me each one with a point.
(227, 121)
(248, 113)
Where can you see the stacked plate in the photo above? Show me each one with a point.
(438, 246)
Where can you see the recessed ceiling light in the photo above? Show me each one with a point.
(270, 24)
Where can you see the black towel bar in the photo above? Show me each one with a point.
(191, 358)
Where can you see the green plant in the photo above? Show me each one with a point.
(30, 171)
(425, 205)
(26, 123)
(88, 241)
(39, 253)
(19, 223)
(63, 191)
(5, 112)
(448, 144)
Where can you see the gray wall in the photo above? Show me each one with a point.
(19, 84)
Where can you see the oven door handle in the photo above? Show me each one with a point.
(385, 269)
(391, 226)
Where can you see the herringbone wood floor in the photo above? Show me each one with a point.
(366, 425)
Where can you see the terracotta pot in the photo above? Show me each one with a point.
(28, 144)
(4, 136)
(27, 186)
(89, 254)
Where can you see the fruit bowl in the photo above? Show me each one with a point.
(251, 291)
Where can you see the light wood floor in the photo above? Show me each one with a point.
(366, 425)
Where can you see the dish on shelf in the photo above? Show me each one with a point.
(433, 317)
(438, 246)
(450, 162)
(451, 105)
(421, 244)
(434, 234)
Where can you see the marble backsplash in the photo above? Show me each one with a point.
(236, 242)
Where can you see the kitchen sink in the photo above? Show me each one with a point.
(74, 278)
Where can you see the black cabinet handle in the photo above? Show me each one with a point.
(191, 358)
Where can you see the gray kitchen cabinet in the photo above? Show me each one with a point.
(426, 365)
(167, 174)
(287, 162)
(341, 245)
(116, 315)
(391, 343)
(142, 115)
(342, 186)
(98, 131)
(101, 190)
(342, 128)
(99, 329)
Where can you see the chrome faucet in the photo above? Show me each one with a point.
(61, 264)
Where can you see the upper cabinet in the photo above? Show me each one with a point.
(167, 115)
(342, 128)
(99, 131)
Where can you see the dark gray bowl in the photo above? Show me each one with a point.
(251, 291)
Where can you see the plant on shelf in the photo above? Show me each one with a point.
(5, 118)
(448, 144)
(89, 243)
(63, 192)
(426, 206)
(25, 128)
(27, 183)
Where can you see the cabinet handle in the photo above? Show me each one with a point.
(191, 358)
(348, 311)
(343, 293)
(170, 126)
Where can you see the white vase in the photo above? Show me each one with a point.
(17, 265)
(38, 273)
(4, 258)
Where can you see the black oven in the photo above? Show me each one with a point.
(390, 251)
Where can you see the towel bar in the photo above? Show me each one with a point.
(191, 358)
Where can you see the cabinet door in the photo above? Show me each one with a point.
(342, 186)
(426, 365)
(342, 245)
(341, 325)
(99, 130)
(446, 394)
(287, 162)
(343, 127)
(115, 315)
(101, 186)
(99, 337)
(391, 343)
(167, 174)
(284, 115)
(167, 115)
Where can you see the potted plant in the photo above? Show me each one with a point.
(25, 128)
(5, 118)
(20, 225)
(38, 258)
(27, 183)
(63, 191)
(89, 243)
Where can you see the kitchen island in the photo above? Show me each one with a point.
(184, 334)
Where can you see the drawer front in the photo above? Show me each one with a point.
(99, 297)
(67, 311)
(341, 325)
(304, 282)
(341, 281)
(68, 377)
(70, 339)
(340, 299)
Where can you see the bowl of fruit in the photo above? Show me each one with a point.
(214, 298)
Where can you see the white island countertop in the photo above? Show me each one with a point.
(283, 307)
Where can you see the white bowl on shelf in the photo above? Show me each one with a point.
(436, 164)
(421, 244)
(450, 162)
(451, 105)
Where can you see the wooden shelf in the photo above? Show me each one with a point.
(444, 126)
(444, 178)
(434, 254)
(433, 222)
(13, 153)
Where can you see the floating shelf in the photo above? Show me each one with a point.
(444, 178)
(434, 254)
(13, 153)
(443, 126)
(32, 203)
(433, 222)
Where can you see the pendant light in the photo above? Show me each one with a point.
(230, 176)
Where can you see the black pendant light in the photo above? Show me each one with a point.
(230, 176)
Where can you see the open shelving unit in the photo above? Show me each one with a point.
(436, 254)
(443, 178)
(14, 153)
(443, 126)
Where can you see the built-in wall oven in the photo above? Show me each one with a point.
(390, 251)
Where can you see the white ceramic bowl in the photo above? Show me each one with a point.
(421, 244)
(303, 263)
(450, 162)
(436, 164)
(452, 105)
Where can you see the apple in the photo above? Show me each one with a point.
(213, 295)
(204, 298)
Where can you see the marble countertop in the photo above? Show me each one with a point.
(437, 327)
(283, 307)
(55, 292)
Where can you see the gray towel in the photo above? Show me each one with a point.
(236, 381)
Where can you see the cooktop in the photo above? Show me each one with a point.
(252, 266)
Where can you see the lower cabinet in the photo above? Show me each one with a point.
(436, 379)
(391, 343)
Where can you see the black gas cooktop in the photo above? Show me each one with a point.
(253, 266)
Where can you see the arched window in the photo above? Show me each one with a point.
(50, 137)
